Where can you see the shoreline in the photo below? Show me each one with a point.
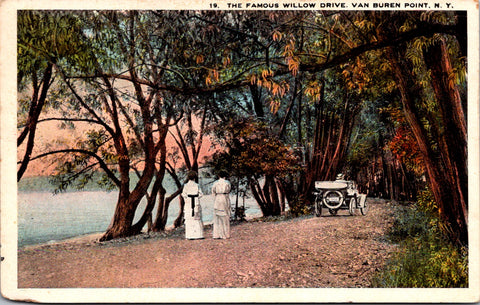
(93, 238)
(80, 239)
(303, 252)
(88, 238)
(74, 215)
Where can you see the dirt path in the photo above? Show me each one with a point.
(340, 251)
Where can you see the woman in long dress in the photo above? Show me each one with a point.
(193, 210)
(221, 207)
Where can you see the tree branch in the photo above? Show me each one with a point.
(71, 120)
(102, 164)
(426, 30)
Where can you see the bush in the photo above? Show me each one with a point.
(425, 259)
(408, 222)
(426, 202)
(299, 207)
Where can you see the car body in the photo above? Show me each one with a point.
(337, 195)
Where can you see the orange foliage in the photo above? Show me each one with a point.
(403, 144)
(253, 151)
(405, 148)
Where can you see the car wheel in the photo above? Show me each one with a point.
(335, 204)
(352, 204)
(318, 206)
(364, 209)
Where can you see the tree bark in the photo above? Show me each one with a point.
(257, 101)
(127, 204)
(179, 220)
(36, 106)
(455, 132)
(452, 209)
(260, 197)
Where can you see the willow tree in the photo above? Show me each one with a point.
(43, 40)
(127, 124)
(430, 74)
(122, 89)
(349, 36)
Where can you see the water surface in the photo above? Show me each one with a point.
(44, 217)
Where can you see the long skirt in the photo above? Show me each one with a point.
(221, 226)
(193, 228)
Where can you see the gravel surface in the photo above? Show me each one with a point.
(326, 251)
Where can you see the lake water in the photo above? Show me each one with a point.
(44, 217)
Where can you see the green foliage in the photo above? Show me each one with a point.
(75, 173)
(366, 136)
(48, 36)
(105, 183)
(98, 182)
(409, 222)
(35, 184)
(425, 258)
(299, 208)
(426, 201)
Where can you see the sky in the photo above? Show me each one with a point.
(49, 132)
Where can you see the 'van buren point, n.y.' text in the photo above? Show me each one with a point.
(332, 5)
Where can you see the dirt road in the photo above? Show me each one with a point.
(328, 251)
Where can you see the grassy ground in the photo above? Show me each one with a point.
(425, 258)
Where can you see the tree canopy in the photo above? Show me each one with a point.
(301, 96)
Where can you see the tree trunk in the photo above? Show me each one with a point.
(257, 101)
(157, 190)
(452, 209)
(267, 197)
(162, 212)
(462, 31)
(128, 201)
(179, 220)
(36, 106)
(273, 195)
(256, 192)
(282, 195)
(455, 131)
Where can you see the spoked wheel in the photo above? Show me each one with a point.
(364, 210)
(318, 206)
(352, 205)
(333, 211)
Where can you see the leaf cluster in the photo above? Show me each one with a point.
(425, 259)
(252, 151)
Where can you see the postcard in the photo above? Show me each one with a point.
(239, 151)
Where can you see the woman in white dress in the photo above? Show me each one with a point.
(193, 210)
(221, 207)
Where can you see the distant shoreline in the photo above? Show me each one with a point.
(44, 218)
(81, 239)
(94, 237)
(306, 252)
(41, 183)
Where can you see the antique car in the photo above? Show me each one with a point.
(337, 195)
